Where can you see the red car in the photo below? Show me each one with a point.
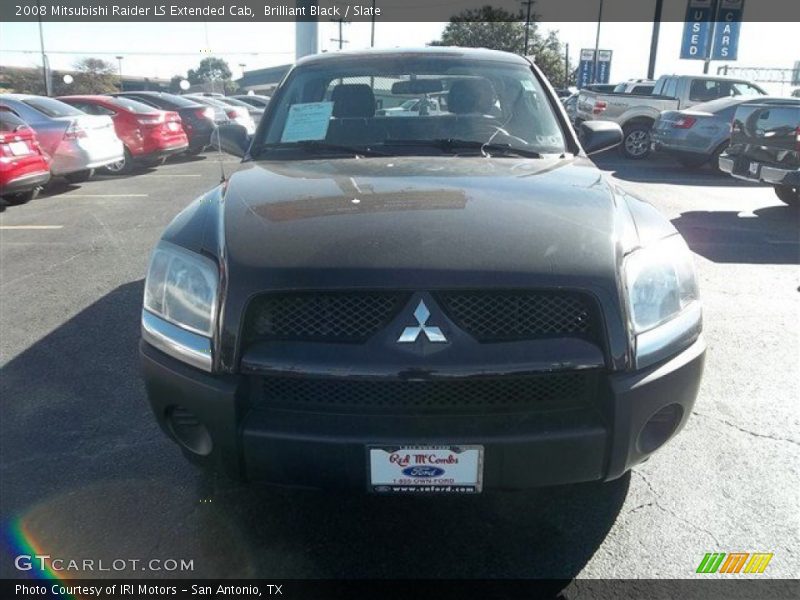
(150, 135)
(24, 168)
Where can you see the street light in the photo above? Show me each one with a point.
(597, 42)
(242, 66)
(119, 62)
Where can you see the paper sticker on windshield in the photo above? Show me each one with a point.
(528, 86)
(307, 122)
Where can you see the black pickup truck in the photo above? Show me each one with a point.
(765, 146)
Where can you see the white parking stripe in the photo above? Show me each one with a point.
(106, 195)
(31, 226)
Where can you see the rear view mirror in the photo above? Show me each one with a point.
(417, 86)
(598, 136)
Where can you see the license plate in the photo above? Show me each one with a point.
(425, 469)
(753, 169)
(19, 148)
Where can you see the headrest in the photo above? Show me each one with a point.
(353, 100)
(471, 96)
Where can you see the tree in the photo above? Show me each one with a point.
(24, 81)
(210, 69)
(485, 27)
(499, 29)
(175, 84)
(92, 76)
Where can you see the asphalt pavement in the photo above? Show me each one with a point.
(86, 473)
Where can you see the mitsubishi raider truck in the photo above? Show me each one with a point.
(765, 146)
(443, 303)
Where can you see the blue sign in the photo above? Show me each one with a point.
(604, 66)
(726, 30)
(586, 68)
(697, 29)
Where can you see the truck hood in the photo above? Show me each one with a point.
(421, 222)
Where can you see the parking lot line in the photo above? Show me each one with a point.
(106, 195)
(28, 227)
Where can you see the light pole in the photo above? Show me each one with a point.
(242, 66)
(119, 62)
(48, 88)
(597, 42)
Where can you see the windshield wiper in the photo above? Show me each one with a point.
(319, 145)
(452, 145)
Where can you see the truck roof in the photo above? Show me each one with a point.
(443, 51)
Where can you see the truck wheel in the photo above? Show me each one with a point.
(79, 176)
(788, 194)
(636, 141)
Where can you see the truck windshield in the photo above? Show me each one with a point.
(458, 105)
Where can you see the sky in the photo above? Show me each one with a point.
(166, 49)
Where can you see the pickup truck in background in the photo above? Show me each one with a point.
(765, 146)
(636, 113)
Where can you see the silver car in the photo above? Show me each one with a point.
(698, 135)
(77, 142)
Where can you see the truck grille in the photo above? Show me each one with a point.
(482, 395)
(322, 316)
(520, 315)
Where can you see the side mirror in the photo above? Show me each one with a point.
(231, 139)
(598, 136)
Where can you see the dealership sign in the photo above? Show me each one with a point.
(711, 29)
(586, 67)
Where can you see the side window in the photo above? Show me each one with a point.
(26, 113)
(142, 99)
(671, 87)
(96, 109)
(704, 90)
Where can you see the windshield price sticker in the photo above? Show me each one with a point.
(307, 122)
(426, 469)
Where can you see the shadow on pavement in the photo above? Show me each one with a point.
(86, 473)
(765, 236)
(661, 169)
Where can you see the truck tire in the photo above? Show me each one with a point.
(788, 194)
(636, 141)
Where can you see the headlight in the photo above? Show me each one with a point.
(663, 300)
(181, 287)
(180, 304)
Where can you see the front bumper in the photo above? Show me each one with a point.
(522, 450)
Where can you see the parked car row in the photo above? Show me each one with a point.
(637, 113)
(72, 136)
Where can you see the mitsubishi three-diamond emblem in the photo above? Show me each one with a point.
(410, 334)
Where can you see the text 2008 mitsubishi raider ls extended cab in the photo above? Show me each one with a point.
(448, 302)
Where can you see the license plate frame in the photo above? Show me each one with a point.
(425, 469)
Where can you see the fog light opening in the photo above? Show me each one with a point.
(659, 428)
(189, 431)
